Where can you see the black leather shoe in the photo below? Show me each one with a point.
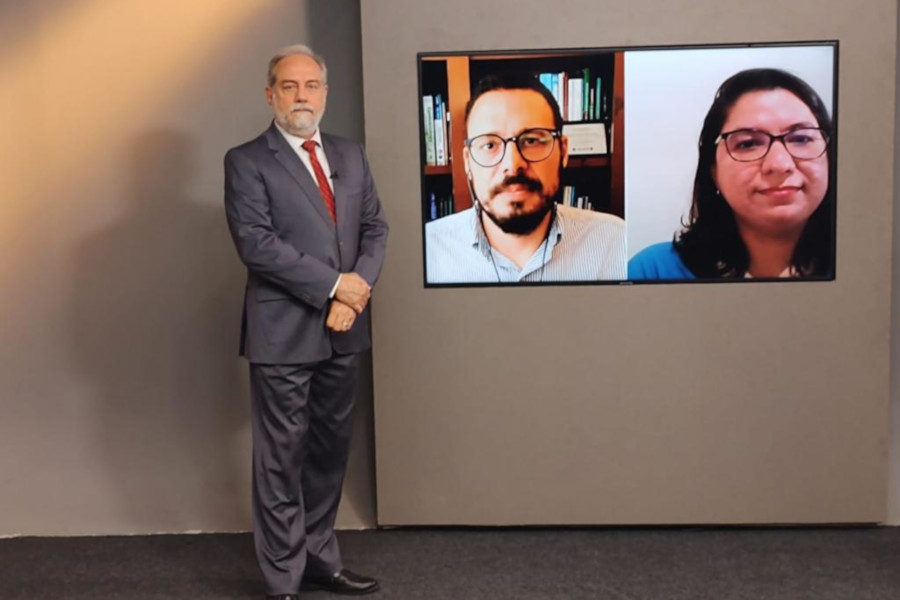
(342, 582)
(283, 597)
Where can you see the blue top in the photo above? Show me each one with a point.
(659, 261)
(582, 245)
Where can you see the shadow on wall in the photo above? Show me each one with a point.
(343, 54)
(154, 330)
(344, 117)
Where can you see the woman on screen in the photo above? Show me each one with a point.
(762, 201)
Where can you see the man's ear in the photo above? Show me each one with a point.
(269, 95)
(564, 150)
(466, 164)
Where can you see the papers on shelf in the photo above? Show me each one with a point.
(586, 138)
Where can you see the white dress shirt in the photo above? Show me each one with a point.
(296, 143)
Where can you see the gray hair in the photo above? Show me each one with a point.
(296, 49)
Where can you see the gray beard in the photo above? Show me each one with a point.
(299, 124)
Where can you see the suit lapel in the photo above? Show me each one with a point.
(288, 158)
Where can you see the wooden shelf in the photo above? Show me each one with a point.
(593, 160)
(438, 169)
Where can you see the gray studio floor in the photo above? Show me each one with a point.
(435, 564)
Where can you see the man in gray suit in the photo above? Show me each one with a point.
(307, 222)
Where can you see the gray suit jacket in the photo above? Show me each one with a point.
(292, 249)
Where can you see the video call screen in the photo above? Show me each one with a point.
(632, 165)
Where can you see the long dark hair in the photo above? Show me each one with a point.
(710, 245)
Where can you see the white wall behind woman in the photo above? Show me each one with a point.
(667, 96)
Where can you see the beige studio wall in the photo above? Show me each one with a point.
(893, 517)
(643, 404)
(123, 405)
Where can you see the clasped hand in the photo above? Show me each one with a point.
(340, 317)
(353, 291)
(350, 299)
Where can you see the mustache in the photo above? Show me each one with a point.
(301, 106)
(532, 185)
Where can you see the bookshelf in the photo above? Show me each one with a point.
(597, 176)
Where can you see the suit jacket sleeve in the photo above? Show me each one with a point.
(257, 241)
(373, 229)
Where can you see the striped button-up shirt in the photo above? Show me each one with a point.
(582, 245)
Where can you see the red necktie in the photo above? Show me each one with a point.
(321, 179)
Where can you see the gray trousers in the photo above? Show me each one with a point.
(301, 421)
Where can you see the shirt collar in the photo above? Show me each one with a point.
(295, 141)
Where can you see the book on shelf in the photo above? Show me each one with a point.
(440, 146)
(559, 85)
(562, 86)
(439, 206)
(428, 123)
(551, 82)
(571, 198)
(592, 104)
(578, 94)
(575, 106)
(547, 80)
(585, 94)
(448, 136)
(436, 124)
(604, 106)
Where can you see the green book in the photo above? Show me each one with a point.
(586, 95)
(428, 112)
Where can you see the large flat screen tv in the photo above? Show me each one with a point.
(629, 165)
